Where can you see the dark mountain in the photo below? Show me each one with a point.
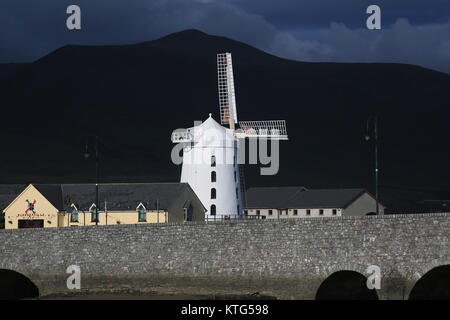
(133, 96)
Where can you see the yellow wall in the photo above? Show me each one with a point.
(52, 217)
(113, 217)
(43, 209)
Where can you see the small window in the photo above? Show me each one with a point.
(321, 212)
(94, 215)
(74, 216)
(295, 212)
(213, 161)
(237, 193)
(308, 212)
(238, 210)
(270, 212)
(234, 175)
(142, 215)
(246, 212)
(213, 210)
(213, 176)
(334, 212)
(213, 193)
(258, 212)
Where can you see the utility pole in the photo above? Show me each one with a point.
(375, 124)
(87, 155)
(96, 181)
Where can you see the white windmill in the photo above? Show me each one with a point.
(210, 163)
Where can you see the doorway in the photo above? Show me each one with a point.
(38, 223)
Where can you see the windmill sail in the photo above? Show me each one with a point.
(227, 100)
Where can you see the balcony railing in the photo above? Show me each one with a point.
(181, 136)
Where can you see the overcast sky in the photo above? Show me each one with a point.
(413, 31)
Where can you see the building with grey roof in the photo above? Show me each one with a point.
(297, 202)
(50, 205)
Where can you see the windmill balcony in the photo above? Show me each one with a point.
(181, 136)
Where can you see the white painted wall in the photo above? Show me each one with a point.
(210, 138)
(290, 213)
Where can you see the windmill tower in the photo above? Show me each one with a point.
(210, 164)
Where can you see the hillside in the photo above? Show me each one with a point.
(133, 96)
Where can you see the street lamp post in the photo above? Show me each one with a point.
(86, 155)
(375, 125)
(96, 180)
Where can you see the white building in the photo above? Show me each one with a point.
(210, 167)
(299, 202)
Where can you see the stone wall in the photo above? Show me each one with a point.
(288, 258)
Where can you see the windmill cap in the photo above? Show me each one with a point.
(211, 134)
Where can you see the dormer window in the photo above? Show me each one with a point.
(73, 213)
(142, 213)
(94, 213)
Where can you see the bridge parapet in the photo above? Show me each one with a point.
(267, 256)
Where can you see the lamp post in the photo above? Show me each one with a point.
(86, 155)
(375, 134)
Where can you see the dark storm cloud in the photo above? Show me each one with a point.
(326, 30)
(350, 12)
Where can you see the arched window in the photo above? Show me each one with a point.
(213, 210)
(213, 193)
(213, 161)
(213, 176)
(142, 215)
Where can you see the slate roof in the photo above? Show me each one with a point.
(52, 192)
(8, 192)
(300, 197)
(123, 196)
(271, 197)
(118, 196)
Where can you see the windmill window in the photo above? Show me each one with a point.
(213, 210)
(213, 193)
(213, 161)
(213, 176)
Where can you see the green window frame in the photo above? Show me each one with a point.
(142, 215)
(94, 215)
(74, 216)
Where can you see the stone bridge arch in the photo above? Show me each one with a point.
(343, 281)
(433, 282)
(15, 285)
